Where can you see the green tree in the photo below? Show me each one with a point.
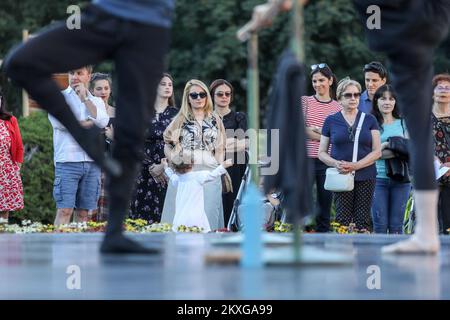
(37, 170)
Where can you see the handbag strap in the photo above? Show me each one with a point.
(358, 131)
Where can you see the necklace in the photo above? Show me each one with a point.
(441, 114)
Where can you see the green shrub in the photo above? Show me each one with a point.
(37, 169)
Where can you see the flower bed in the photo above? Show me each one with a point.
(136, 226)
(142, 226)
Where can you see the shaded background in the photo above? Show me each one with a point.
(204, 44)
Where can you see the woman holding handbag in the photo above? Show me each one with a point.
(355, 146)
(316, 109)
(391, 190)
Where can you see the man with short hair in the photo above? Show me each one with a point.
(375, 75)
(134, 35)
(77, 177)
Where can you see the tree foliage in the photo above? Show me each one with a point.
(204, 43)
(37, 170)
(204, 46)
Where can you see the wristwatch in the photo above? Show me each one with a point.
(87, 98)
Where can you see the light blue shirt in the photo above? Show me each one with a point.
(394, 129)
(65, 148)
(153, 12)
(365, 104)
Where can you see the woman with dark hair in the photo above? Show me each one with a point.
(151, 184)
(101, 86)
(391, 191)
(316, 109)
(441, 133)
(11, 158)
(235, 124)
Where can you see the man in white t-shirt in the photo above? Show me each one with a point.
(77, 177)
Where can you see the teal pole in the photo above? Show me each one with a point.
(298, 48)
(252, 244)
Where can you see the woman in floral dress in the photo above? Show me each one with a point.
(441, 132)
(11, 157)
(151, 184)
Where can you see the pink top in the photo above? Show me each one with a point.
(315, 113)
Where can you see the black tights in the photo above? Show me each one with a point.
(138, 52)
(410, 31)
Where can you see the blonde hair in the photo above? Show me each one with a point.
(343, 84)
(173, 131)
(186, 108)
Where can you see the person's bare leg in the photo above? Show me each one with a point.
(139, 66)
(81, 215)
(63, 216)
(426, 237)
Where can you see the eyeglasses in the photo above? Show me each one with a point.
(443, 88)
(349, 95)
(221, 94)
(319, 66)
(196, 95)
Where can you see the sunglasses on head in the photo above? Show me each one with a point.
(221, 94)
(318, 66)
(351, 95)
(195, 95)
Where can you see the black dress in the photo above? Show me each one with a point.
(148, 198)
(234, 120)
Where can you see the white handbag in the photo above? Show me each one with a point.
(338, 182)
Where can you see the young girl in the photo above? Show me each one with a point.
(189, 203)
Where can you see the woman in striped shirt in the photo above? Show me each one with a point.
(316, 109)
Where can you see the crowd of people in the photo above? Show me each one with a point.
(381, 171)
(190, 172)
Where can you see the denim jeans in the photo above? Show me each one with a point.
(138, 52)
(389, 205)
(76, 185)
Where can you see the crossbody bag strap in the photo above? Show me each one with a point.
(356, 143)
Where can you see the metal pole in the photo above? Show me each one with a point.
(298, 47)
(253, 100)
(298, 31)
(25, 98)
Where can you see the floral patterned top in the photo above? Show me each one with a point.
(154, 142)
(195, 138)
(441, 134)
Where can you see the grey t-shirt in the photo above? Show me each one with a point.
(154, 12)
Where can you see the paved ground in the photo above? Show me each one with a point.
(35, 266)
